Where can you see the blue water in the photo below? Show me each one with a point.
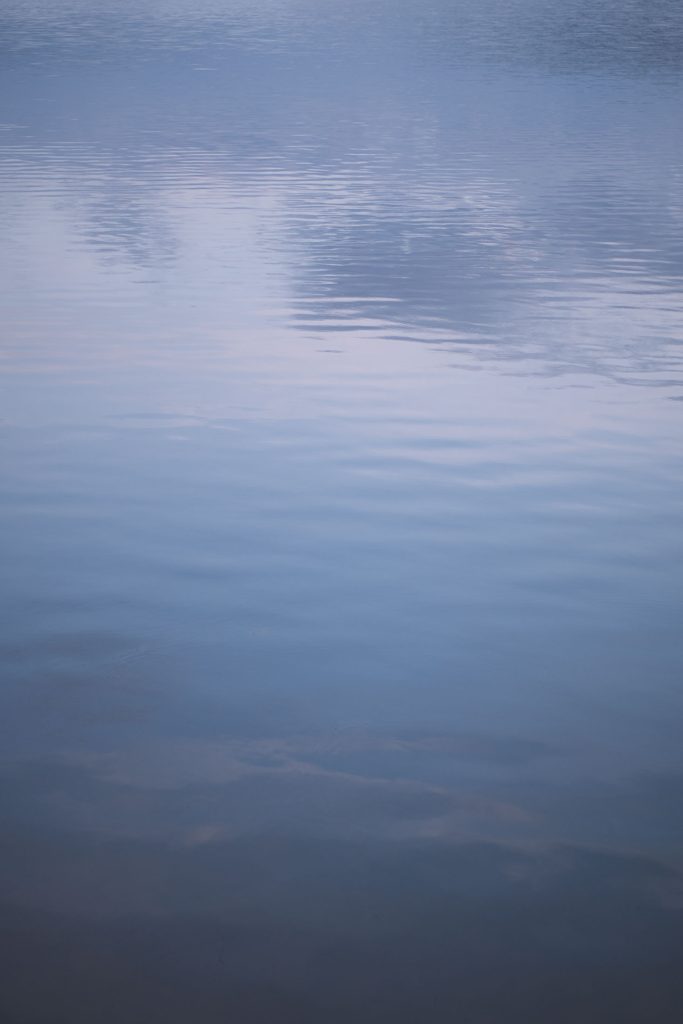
(341, 431)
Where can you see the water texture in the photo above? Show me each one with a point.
(341, 438)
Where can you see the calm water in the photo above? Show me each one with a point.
(341, 435)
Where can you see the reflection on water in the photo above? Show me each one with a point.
(341, 511)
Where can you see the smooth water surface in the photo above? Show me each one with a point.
(341, 429)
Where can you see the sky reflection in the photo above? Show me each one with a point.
(342, 553)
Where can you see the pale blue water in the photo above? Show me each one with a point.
(341, 434)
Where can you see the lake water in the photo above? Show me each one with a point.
(341, 430)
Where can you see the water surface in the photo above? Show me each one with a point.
(341, 443)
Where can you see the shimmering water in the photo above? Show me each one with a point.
(342, 488)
